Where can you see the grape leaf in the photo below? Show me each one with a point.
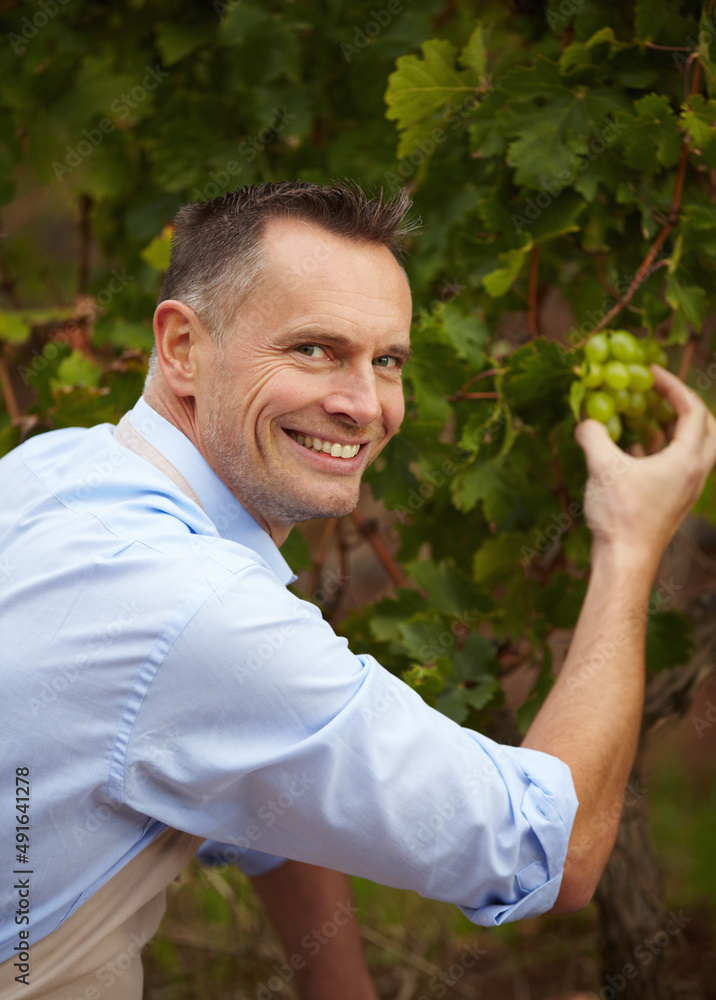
(474, 55)
(650, 16)
(498, 282)
(448, 590)
(653, 137)
(699, 120)
(690, 299)
(539, 371)
(456, 702)
(499, 555)
(420, 88)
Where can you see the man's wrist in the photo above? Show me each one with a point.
(625, 562)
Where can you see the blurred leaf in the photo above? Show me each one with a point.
(14, 328)
(498, 282)
(706, 504)
(296, 552)
(650, 16)
(690, 299)
(77, 369)
(577, 392)
(474, 55)
(668, 640)
(158, 251)
(175, 41)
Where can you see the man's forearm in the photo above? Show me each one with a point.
(312, 910)
(592, 716)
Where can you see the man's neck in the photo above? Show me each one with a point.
(178, 410)
(181, 412)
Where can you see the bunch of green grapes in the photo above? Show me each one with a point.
(616, 385)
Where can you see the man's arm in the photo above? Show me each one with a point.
(312, 910)
(592, 715)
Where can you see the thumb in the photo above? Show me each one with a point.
(599, 449)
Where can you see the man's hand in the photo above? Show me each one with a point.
(592, 716)
(636, 504)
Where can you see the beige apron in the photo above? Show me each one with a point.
(96, 953)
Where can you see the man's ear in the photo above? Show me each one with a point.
(180, 336)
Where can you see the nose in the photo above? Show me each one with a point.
(354, 396)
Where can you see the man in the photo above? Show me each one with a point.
(194, 699)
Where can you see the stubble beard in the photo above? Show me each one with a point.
(278, 496)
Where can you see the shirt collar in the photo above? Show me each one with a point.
(231, 520)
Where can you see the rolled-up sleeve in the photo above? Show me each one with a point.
(254, 726)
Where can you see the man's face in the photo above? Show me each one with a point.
(307, 390)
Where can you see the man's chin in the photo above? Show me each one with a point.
(326, 510)
(307, 508)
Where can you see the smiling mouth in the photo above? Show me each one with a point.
(332, 448)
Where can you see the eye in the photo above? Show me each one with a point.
(311, 351)
(388, 361)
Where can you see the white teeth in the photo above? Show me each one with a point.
(334, 450)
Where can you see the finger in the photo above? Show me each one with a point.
(691, 414)
(599, 449)
(695, 428)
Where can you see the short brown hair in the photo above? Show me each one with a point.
(217, 255)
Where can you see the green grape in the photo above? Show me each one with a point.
(600, 406)
(622, 399)
(641, 423)
(663, 411)
(597, 348)
(625, 347)
(645, 428)
(654, 353)
(640, 378)
(616, 366)
(614, 426)
(594, 375)
(637, 405)
(616, 375)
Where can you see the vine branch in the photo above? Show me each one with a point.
(457, 396)
(645, 268)
(367, 530)
(8, 392)
(85, 242)
(532, 292)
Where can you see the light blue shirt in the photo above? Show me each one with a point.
(157, 672)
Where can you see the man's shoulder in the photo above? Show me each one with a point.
(91, 495)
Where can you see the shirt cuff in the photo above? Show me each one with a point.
(551, 817)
